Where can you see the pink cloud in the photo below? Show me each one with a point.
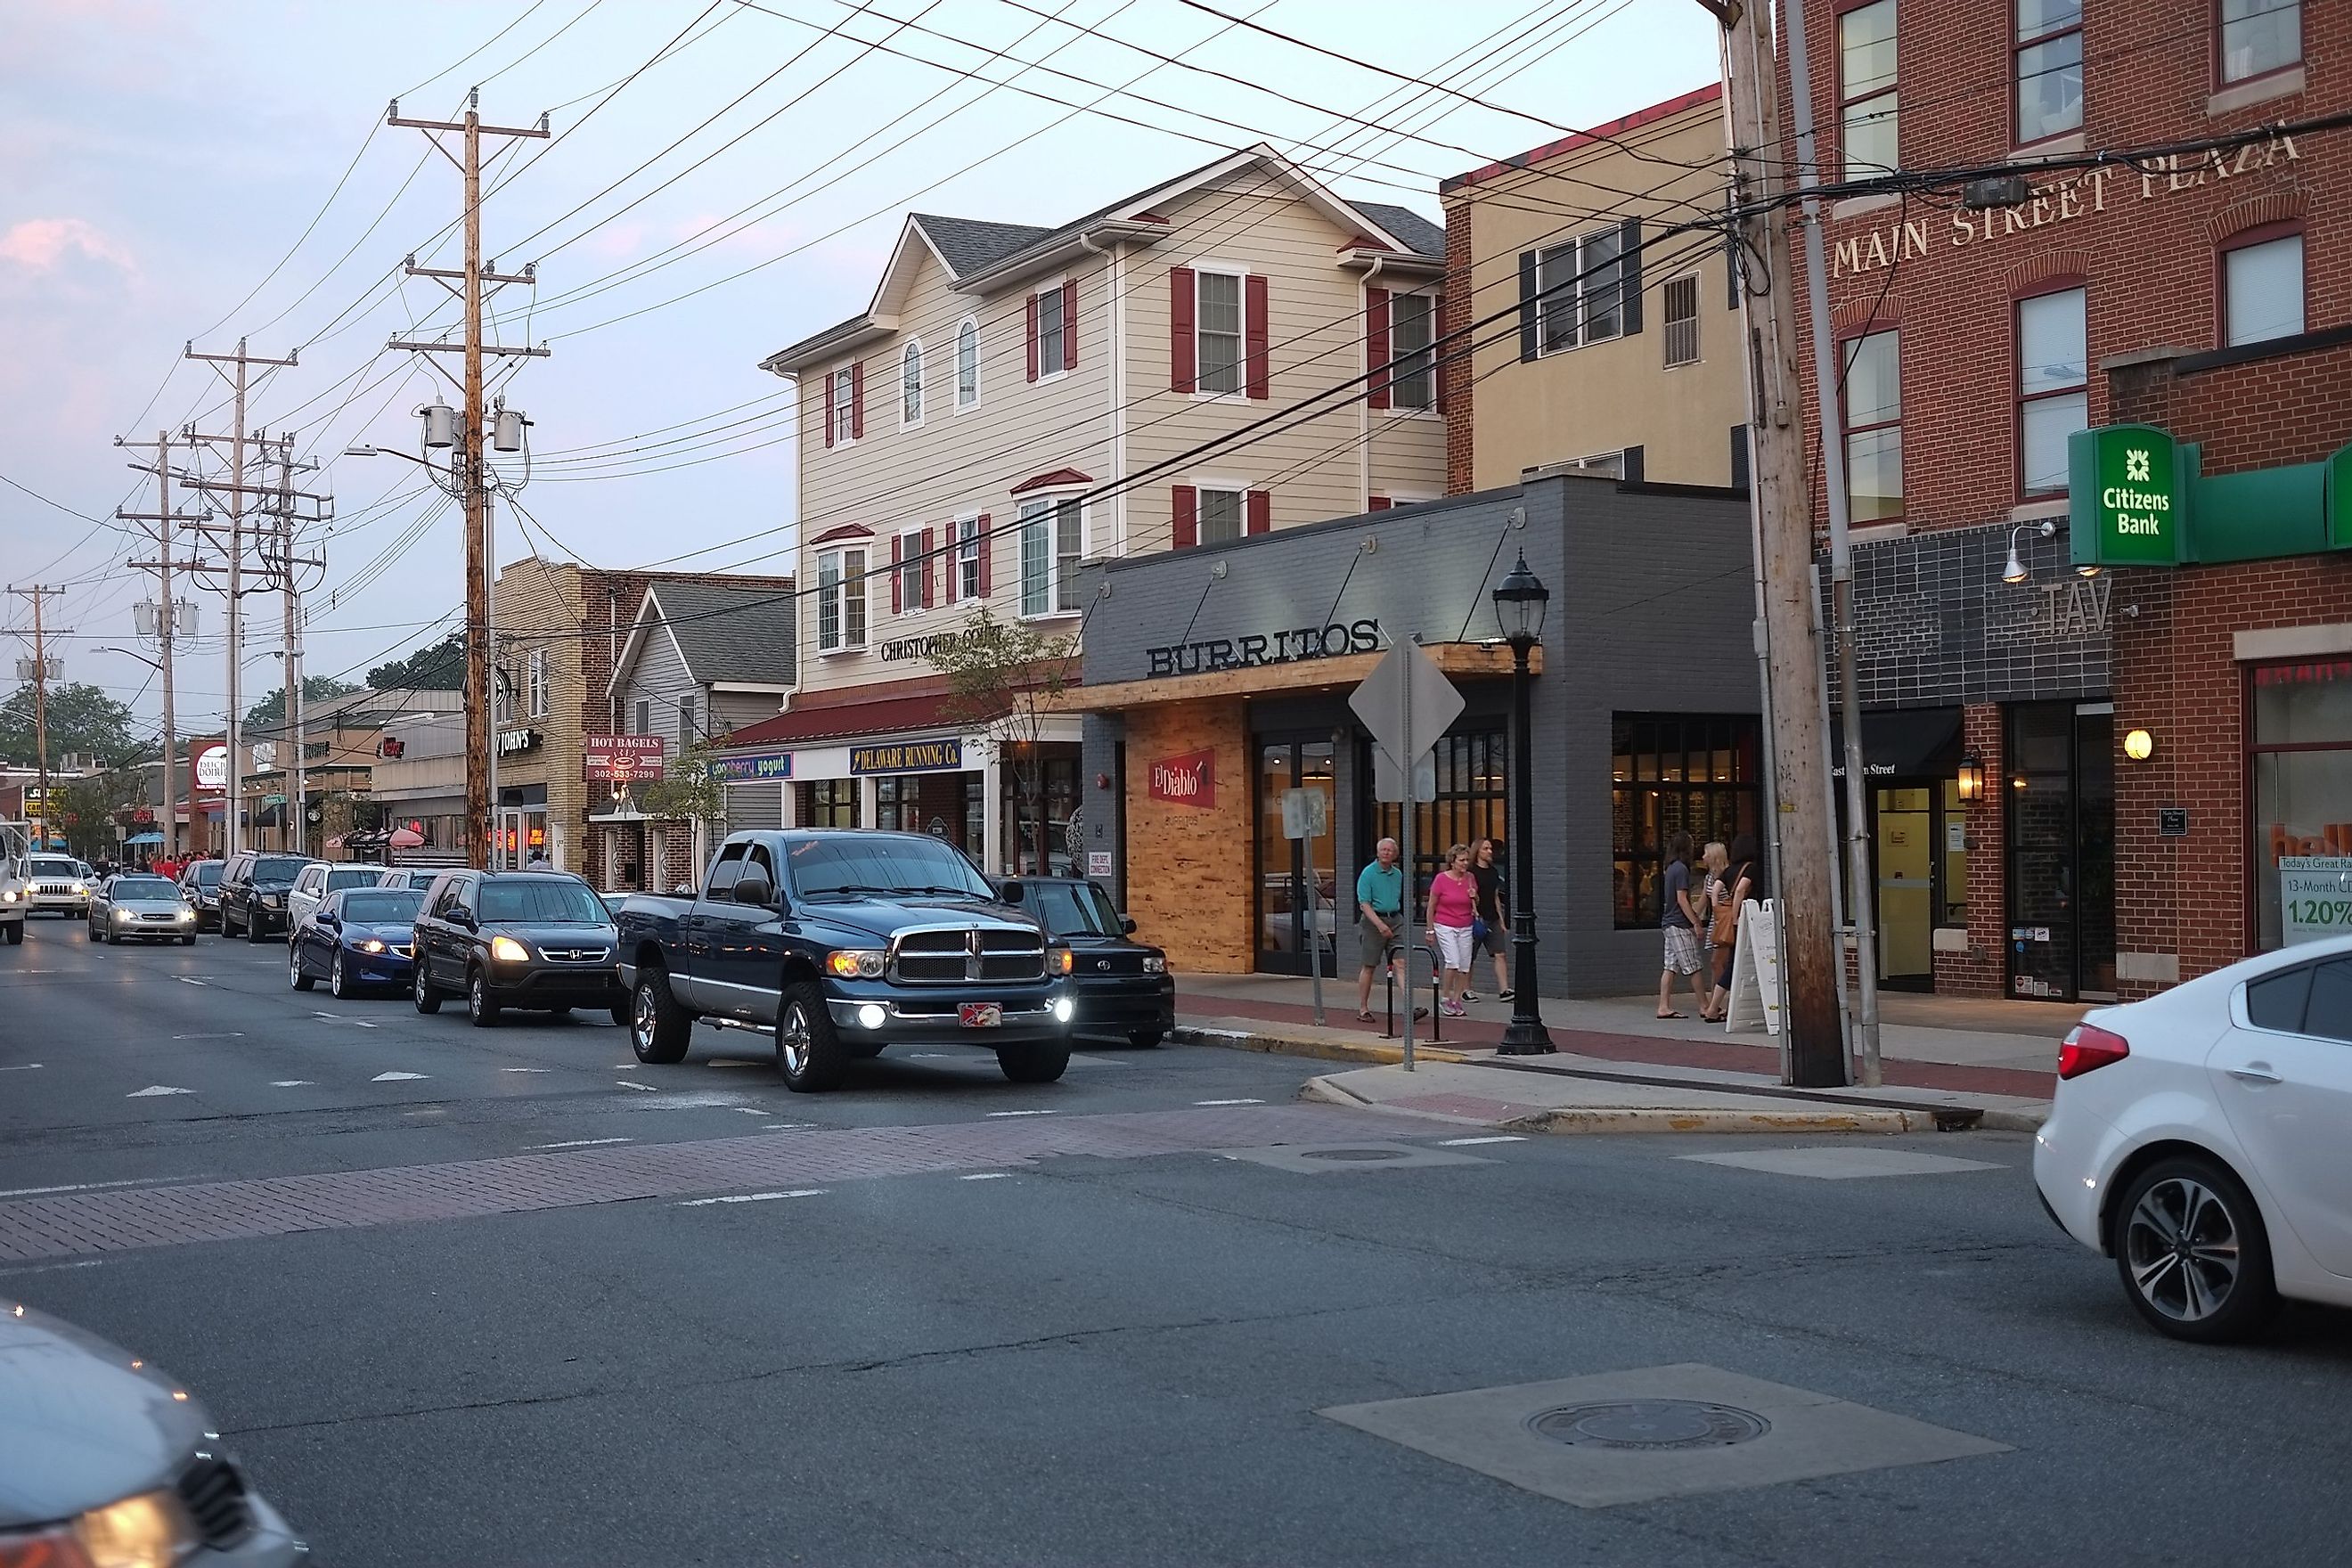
(38, 245)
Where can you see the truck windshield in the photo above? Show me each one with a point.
(543, 900)
(1074, 908)
(853, 865)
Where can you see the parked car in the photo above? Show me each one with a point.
(839, 943)
(525, 940)
(106, 1460)
(200, 883)
(360, 937)
(15, 847)
(133, 907)
(414, 878)
(1119, 986)
(2196, 1138)
(57, 885)
(318, 879)
(253, 892)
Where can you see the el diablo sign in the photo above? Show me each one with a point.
(1188, 780)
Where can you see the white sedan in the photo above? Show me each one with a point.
(2200, 1139)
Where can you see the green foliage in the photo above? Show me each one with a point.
(271, 710)
(1008, 678)
(83, 809)
(689, 790)
(82, 719)
(440, 668)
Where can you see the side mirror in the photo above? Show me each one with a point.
(755, 890)
(1011, 892)
(465, 918)
(1126, 927)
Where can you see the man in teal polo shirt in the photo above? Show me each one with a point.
(1380, 904)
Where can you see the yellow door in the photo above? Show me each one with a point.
(1906, 913)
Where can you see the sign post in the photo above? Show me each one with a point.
(1406, 702)
(1307, 817)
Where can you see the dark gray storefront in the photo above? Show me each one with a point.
(1218, 678)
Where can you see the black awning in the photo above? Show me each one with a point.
(1902, 742)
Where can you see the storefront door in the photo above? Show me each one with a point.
(1905, 840)
(2062, 854)
(1294, 876)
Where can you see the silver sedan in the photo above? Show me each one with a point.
(133, 907)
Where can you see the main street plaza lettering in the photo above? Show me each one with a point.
(1252, 651)
(908, 757)
(2061, 199)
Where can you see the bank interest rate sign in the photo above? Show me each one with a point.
(1407, 703)
(2127, 497)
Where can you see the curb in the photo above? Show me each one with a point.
(1643, 1119)
(1319, 1050)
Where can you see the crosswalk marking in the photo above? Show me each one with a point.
(986, 1177)
(753, 1197)
(397, 1076)
(1021, 1113)
(290, 1083)
(1229, 1102)
(624, 1083)
(583, 1144)
(1466, 1142)
(155, 1088)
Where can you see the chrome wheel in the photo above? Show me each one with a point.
(793, 1041)
(642, 1019)
(336, 985)
(2181, 1245)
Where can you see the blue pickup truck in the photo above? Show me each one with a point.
(837, 944)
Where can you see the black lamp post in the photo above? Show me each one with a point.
(1520, 601)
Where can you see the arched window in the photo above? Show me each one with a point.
(910, 383)
(968, 363)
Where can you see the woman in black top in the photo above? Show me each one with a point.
(1742, 883)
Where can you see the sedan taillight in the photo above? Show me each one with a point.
(2088, 1046)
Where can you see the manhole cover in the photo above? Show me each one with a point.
(1651, 1424)
(1352, 1154)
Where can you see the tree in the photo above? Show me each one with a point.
(690, 790)
(440, 668)
(271, 710)
(83, 720)
(83, 809)
(1008, 678)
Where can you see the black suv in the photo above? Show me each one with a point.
(200, 881)
(1120, 987)
(253, 891)
(531, 940)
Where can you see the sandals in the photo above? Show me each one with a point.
(1673, 1015)
(1363, 1017)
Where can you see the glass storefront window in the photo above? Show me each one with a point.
(1471, 767)
(2302, 817)
(1058, 763)
(828, 803)
(1675, 774)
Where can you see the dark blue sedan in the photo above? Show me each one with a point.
(356, 939)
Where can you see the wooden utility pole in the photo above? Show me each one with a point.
(284, 568)
(468, 461)
(167, 626)
(1811, 957)
(41, 696)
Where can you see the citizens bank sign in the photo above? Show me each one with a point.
(2128, 496)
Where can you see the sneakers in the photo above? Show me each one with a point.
(1505, 995)
(1454, 1010)
(1469, 996)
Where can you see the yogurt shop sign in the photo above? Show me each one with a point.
(2128, 497)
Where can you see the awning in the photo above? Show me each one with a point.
(137, 838)
(1902, 744)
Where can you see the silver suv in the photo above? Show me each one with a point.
(59, 885)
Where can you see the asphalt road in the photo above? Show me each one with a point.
(1106, 1357)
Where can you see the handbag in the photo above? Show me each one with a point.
(1723, 926)
(1477, 928)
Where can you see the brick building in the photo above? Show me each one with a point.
(2021, 848)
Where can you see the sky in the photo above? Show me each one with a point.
(725, 176)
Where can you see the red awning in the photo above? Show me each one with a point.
(889, 715)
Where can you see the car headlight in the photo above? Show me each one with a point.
(506, 949)
(856, 962)
(273, 900)
(184, 915)
(81, 891)
(150, 1530)
(8, 897)
(373, 945)
(122, 914)
(1155, 964)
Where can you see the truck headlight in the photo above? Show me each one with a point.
(81, 891)
(1155, 964)
(273, 900)
(1061, 960)
(506, 949)
(150, 1530)
(856, 962)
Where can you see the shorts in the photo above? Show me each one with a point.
(1494, 942)
(1682, 949)
(1724, 953)
(1454, 947)
(1371, 947)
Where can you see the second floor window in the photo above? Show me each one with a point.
(2259, 37)
(1053, 539)
(2054, 380)
(687, 732)
(910, 383)
(645, 718)
(1866, 97)
(969, 545)
(1221, 516)
(2048, 68)
(2262, 290)
(914, 566)
(1052, 324)
(1581, 287)
(845, 405)
(1680, 297)
(840, 600)
(1218, 331)
(968, 363)
(538, 683)
(1411, 324)
(1873, 428)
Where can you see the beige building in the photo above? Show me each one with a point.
(1017, 401)
(1627, 356)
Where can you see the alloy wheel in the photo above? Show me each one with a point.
(336, 985)
(2182, 1246)
(642, 1020)
(793, 1041)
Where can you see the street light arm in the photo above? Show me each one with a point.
(149, 663)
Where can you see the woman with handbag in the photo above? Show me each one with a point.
(1742, 883)
(1453, 910)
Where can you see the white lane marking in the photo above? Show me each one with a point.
(526, 1069)
(1229, 1102)
(365, 1025)
(583, 1144)
(93, 1186)
(751, 1110)
(1466, 1142)
(21, 1066)
(624, 1083)
(397, 1076)
(626, 1067)
(291, 1082)
(986, 1177)
(1022, 1113)
(790, 1127)
(156, 1088)
(49, 1267)
(734, 1062)
(232, 1035)
(185, 979)
(333, 1017)
(753, 1197)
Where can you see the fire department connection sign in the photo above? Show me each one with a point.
(2127, 497)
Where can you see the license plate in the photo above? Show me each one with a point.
(981, 1015)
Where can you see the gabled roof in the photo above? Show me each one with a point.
(966, 245)
(1424, 238)
(727, 634)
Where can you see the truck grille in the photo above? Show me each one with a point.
(214, 1494)
(996, 953)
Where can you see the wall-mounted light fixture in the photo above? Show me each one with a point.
(2015, 572)
(1971, 778)
(2139, 745)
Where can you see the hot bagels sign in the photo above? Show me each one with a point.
(1188, 780)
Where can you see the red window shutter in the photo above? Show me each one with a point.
(897, 605)
(1438, 367)
(1070, 325)
(1183, 370)
(955, 562)
(1253, 335)
(987, 551)
(1376, 344)
(1261, 511)
(1184, 507)
(1379, 503)
(858, 401)
(1033, 337)
(825, 404)
(930, 570)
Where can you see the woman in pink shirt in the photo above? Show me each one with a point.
(1453, 906)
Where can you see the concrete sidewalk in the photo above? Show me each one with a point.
(1995, 1056)
(1472, 1095)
